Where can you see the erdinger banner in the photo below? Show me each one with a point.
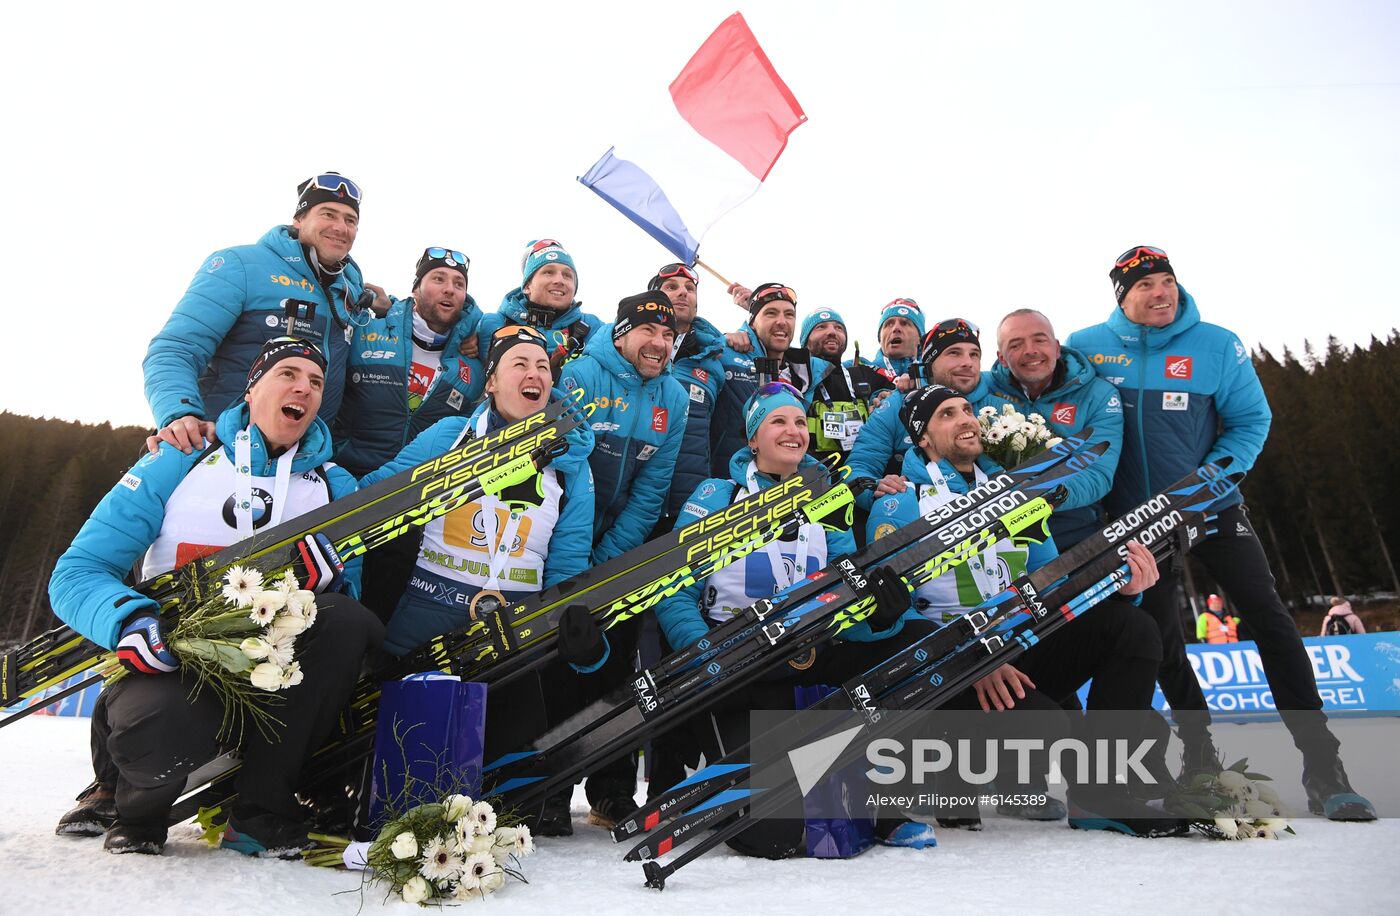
(1355, 674)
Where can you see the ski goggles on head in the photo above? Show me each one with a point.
(768, 398)
(331, 183)
(507, 338)
(770, 292)
(777, 387)
(677, 270)
(1138, 253)
(454, 258)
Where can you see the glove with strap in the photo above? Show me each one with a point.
(317, 564)
(892, 598)
(141, 646)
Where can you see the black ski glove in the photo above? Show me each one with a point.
(892, 596)
(581, 643)
(141, 646)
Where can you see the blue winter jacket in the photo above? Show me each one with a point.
(1190, 395)
(88, 591)
(376, 422)
(571, 325)
(1077, 400)
(415, 621)
(198, 364)
(639, 426)
(680, 616)
(880, 447)
(699, 369)
(740, 381)
(896, 510)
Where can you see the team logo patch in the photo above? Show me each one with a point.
(270, 321)
(701, 374)
(464, 372)
(658, 419)
(891, 504)
(706, 490)
(1064, 413)
(1178, 367)
(646, 452)
(214, 264)
(883, 530)
(1175, 400)
(262, 509)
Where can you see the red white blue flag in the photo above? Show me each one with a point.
(732, 116)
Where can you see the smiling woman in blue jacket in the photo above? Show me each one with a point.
(639, 418)
(150, 728)
(776, 426)
(520, 541)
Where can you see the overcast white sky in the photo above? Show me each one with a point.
(978, 157)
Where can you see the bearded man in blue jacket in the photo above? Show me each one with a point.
(298, 280)
(1190, 395)
(151, 728)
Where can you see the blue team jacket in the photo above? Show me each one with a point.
(1190, 395)
(376, 422)
(639, 426)
(198, 364)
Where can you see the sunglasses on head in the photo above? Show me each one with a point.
(332, 182)
(454, 258)
(1134, 254)
(766, 294)
(776, 387)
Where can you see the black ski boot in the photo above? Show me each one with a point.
(608, 811)
(143, 838)
(554, 818)
(95, 812)
(1330, 793)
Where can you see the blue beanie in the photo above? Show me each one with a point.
(540, 252)
(816, 318)
(902, 308)
(765, 402)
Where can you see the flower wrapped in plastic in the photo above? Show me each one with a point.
(1009, 437)
(241, 644)
(1234, 804)
(453, 850)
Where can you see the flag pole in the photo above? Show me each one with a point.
(718, 276)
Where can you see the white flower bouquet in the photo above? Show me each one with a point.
(1233, 804)
(242, 644)
(455, 850)
(1010, 437)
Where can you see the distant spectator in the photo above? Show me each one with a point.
(1341, 620)
(1216, 626)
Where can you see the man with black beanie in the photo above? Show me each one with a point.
(298, 279)
(1190, 395)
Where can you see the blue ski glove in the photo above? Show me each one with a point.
(141, 646)
(317, 565)
(892, 597)
(581, 643)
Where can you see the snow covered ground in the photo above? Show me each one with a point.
(1019, 867)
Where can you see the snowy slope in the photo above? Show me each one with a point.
(1014, 866)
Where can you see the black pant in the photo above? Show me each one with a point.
(149, 734)
(1236, 560)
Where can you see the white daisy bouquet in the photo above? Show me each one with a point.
(1233, 804)
(455, 850)
(1010, 437)
(241, 644)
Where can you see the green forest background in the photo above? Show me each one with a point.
(1324, 496)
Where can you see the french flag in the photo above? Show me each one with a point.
(732, 117)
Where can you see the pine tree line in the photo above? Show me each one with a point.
(1324, 495)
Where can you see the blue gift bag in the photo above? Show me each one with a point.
(834, 837)
(428, 741)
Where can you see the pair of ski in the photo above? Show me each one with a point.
(771, 632)
(512, 640)
(355, 524)
(923, 675)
